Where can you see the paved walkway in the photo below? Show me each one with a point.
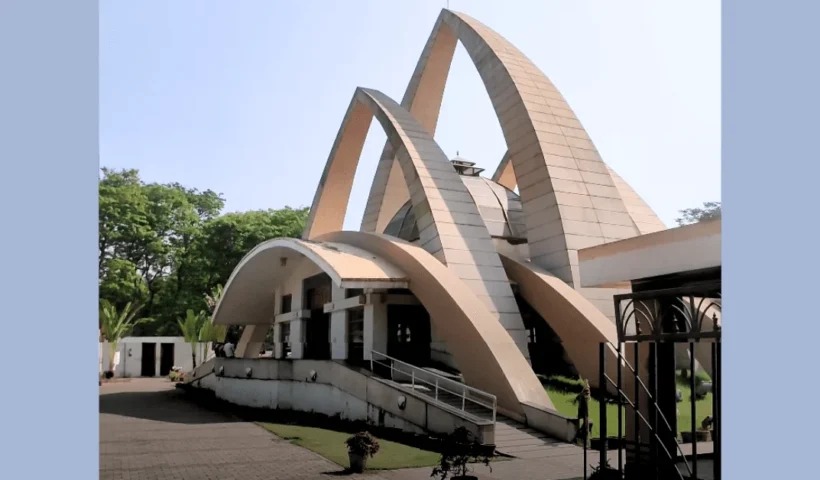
(149, 431)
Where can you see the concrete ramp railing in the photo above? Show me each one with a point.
(203, 370)
(442, 389)
(333, 388)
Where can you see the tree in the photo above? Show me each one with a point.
(116, 325)
(709, 211)
(210, 333)
(190, 327)
(162, 245)
(212, 298)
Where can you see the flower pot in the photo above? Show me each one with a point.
(358, 462)
(700, 436)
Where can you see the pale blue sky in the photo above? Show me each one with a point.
(245, 98)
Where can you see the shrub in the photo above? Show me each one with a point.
(604, 472)
(458, 450)
(362, 443)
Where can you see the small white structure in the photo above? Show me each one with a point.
(151, 356)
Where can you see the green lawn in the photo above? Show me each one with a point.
(331, 445)
(562, 392)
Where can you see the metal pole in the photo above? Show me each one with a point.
(463, 398)
(413, 379)
(717, 431)
(653, 408)
(602, 402)
(693, 406)
(620, 412)
(436, 388)
(637, 460)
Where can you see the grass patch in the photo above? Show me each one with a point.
(563, 391)
(331, 445)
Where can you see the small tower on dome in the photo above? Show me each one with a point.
(465, 167)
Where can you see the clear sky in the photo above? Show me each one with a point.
(245, 98)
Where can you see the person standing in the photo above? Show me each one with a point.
(227, 349)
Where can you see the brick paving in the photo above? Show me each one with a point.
(149, 431)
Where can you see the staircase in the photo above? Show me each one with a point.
(518, 440)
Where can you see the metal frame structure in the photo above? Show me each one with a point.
(662, 318)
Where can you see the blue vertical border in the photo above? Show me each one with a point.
(49, 160)
(771, 237)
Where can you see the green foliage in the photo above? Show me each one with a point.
(116, 325)
(709, 211)
(604, 472)
(459, 449)
(170, 249)
(190, 325)
(363, 444)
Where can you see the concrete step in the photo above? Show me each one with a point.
(518, 440)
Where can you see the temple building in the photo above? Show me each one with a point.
(460, 288)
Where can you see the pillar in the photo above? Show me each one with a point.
(253, 336)
(375, 325)
(338, 327)
(278, 347)
(297, 338)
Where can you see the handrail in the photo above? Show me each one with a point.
(417, 374)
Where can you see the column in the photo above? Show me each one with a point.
(375, 325)
(338, 327)
(278, 350)
(297, 338)
(251, 341)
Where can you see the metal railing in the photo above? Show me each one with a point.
(438, 386)
(657, 425)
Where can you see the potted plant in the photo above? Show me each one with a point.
(703, 434)
(459, 449)
(604, 472)
(359, 447)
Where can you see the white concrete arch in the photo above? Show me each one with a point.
(248, 297)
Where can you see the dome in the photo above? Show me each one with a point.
(500, 208)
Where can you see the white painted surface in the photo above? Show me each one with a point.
(338, 327)
(337, 390)
(375, 328)
(682, 249)
(129, 351)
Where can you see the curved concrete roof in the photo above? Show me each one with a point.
(499, 207)
(486, 354)
(643, 217)
(248, 297)
(580, 326)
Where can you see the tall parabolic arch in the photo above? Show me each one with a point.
(571, 198)
(471, 251)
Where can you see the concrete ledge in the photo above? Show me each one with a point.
(333, 388)
(550, 422)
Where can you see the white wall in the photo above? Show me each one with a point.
(337, 389)
(130, 355)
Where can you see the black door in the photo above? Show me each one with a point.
(166, 358)
(317, 292)
(317, 336)
(408, 330)
(149, 360)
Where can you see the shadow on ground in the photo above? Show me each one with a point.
(163, 406)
